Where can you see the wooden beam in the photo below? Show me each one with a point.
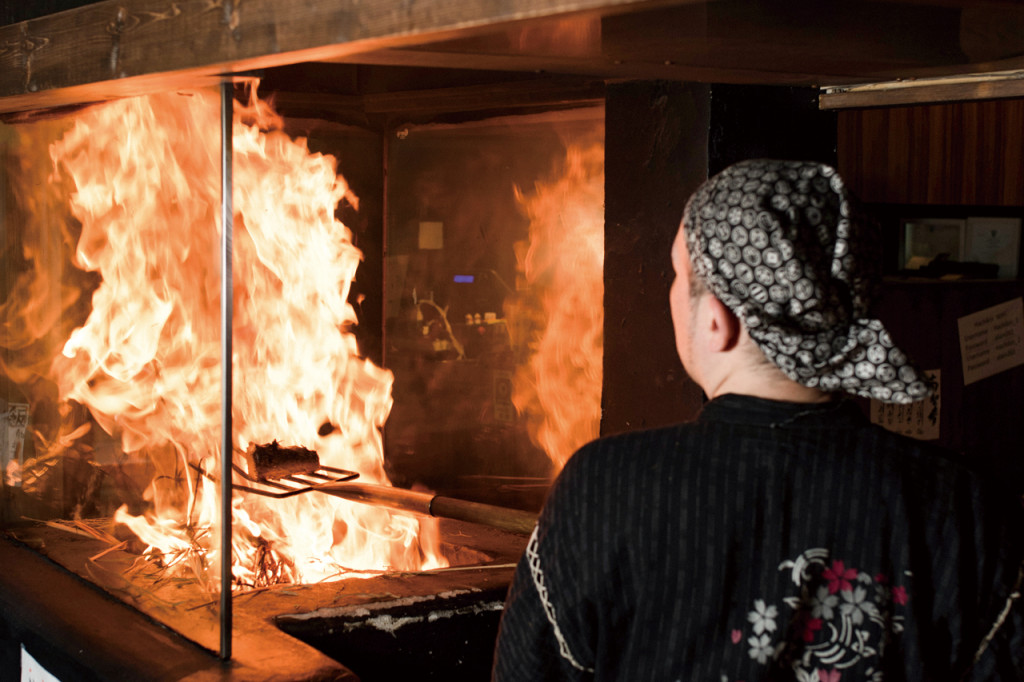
(124, 47)
(480, 97)
(116, 48)
(982, 86)
(798, 42)
(598, 66)
(657, 157)
(550, 92)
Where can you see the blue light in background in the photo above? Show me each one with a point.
(463, 279)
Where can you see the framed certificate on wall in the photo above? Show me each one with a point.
(928, 239)
(994, 240)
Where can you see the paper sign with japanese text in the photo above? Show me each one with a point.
(992, 340)
(918, 420)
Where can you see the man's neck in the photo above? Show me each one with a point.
(784, 389)
(750, 373)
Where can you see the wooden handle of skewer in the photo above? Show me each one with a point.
(502, 518)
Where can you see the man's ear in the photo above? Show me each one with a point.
(723, 325)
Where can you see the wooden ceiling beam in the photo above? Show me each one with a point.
(115, 48)
(124, 47)
(597, 67)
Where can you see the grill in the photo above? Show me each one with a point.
(436, 116)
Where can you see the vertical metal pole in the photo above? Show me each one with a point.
(226, 294)
(385, 249)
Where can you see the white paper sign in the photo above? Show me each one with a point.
(431, 235)
(504, 409)
(13, 424)
(31, 671)
(918, 420)
(992, 340)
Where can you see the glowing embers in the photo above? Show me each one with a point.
(141, 176)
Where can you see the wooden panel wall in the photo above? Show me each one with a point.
(959, 153)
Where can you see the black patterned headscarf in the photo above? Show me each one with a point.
(786, 247)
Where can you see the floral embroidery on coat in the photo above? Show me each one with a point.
(838, 617)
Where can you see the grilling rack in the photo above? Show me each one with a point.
(294, 484)
(336, 482)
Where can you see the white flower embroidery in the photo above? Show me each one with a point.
(760, 648)
(823, 604)
(804, 675)
(799, 567)
(855, 605)
(840, 618)
(763, 617)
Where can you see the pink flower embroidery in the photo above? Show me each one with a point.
(736, 636)
(839, 577)
(830, 676)
(899, 595)
(811, 625)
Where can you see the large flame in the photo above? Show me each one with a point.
(144, 178)
(559, 388)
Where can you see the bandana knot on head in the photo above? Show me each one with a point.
(786, 247)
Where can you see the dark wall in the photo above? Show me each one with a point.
(655, 155)
(980, 422)
(762, 121)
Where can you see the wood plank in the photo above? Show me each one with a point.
(973, 87)
(736, 41)
(598, 65)
(956, 153)
(136, 45)
(656, 159)
(491, 96)
(63, 618)
(852, 38)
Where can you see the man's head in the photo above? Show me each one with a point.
(715, 350)
(785, 248)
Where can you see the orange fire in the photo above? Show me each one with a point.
(559, 388)
(143, 179)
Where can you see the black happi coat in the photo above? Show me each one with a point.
(767, 540)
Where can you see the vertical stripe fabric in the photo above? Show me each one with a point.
(767, 541)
